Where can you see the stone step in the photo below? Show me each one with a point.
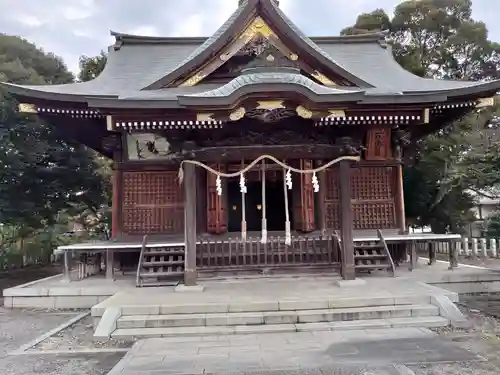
(276, 317)
(421, 322)
(260, 306)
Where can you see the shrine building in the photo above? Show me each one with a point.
(257, 149)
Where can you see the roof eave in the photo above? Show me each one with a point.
(479, 89)
(133, 103)
(405, 98)
(21, 91)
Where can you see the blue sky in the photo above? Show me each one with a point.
(72, 28)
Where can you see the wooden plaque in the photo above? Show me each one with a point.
(378, 144)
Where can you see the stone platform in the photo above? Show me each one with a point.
(56, 293)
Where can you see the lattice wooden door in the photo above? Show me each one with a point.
(216, 204)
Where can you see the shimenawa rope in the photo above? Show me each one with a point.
(260, 158)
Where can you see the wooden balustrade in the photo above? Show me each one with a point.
(232, 253)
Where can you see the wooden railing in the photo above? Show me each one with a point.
(472, 247)
(392, 268)
(139, 264)
(232, 253)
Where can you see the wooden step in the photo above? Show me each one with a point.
(155, 252)
(369, 247)
(161, 274)
(156, 263)
(380, 266)
(163, 263)
(370, 256)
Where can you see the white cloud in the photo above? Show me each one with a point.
(145, 30)
(29, 20)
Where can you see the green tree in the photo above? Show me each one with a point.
(439, 38)
(493, 226)
(41, 174)
(91, 67)
(97, 223)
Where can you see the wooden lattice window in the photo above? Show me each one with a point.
(332, 202)
(152, 203)
(373, 197)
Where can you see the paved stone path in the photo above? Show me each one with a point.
(331, 352)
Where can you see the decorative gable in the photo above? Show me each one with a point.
(258, 45)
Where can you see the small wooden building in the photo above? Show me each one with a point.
(258, 86)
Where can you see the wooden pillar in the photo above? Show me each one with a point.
(115, 204)
(67, 271)
(116, 216)
(190, 273)
(453, 253)
(110, 264)
(400, 200)
(346, 221)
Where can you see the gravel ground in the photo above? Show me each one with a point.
(483, 339)
(19, 327)
(79, 337)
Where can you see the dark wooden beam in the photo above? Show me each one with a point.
(346, 221)
(232, 153)
(190, 273)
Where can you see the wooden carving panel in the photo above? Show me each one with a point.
(332, 203)
(373, 196)
(152, 203)
(216, 204)
(378, 145)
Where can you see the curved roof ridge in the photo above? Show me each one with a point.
(378, 37)
(125, 38)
